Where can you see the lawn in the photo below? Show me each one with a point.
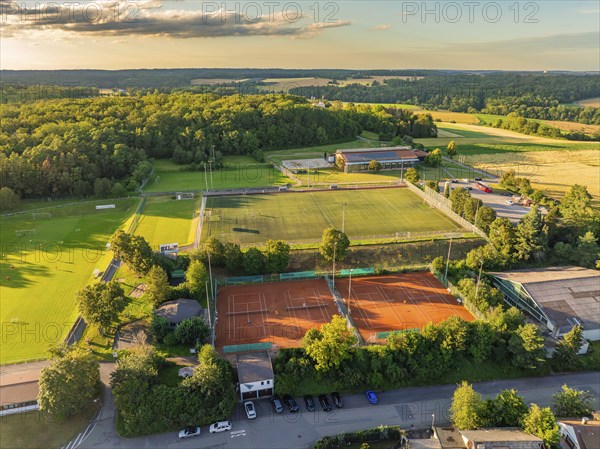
(239, 171)
(302, 216)
(33, 430)
(167, 220)
(40, 274)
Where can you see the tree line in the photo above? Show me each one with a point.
(540, 96)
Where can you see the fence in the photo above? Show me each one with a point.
(136, 217)
(452, 289)
(445, 205)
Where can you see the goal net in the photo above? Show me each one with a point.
(23, 232)
(184, 195)
(41, 215)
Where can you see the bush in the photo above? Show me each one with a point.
(160, 328)
(191, 331)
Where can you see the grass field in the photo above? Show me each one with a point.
(40, 274)
(593, 102)
(239, 171)
(166, 220)
(298, 217)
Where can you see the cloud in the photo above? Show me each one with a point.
(149, 18)
(381, 27)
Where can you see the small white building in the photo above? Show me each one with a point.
(255, 375)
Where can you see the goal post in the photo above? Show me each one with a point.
(23, 232)
(184, 195)
(41, 215)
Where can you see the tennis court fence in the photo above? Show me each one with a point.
(294, 276)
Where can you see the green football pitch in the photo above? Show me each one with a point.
(166, 220)
(42, 268)
(302, 216)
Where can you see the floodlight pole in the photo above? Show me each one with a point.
(432, 421)
(333, 274)
(205, 177)
(350, 290)
(448, 261)
(344, 216)
(478, 279)
(212, 186)
(210, 274)
(208, 304)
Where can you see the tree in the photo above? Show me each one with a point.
(277, 256)
(572, 403)
(216, 250)
(576, 203)
(331, 345)
(8, 198)
(526, 345)
(234, 258)
(468, 408)
(565, 357)
(101, 303)
(191, 331)
(412, 176)
(507, 409)
(196, 277)
(458, 198)
(254, 261)
(133, 250)
(471, 209)
(434, 158)
(530, 241)
(157, 286)
(374, 165)
(485, 218)
(69, 384)
(452, 149)
(433, 185)
(334, 243)
(503, 236)
(542, 423)
(588, 250)
(160, 328)
(118, 190)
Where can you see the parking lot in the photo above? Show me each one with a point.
(496, 201)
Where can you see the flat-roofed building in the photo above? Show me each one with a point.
(255, 375)
(390, 158)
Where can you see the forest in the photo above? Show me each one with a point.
(539, 96)
(85, 146)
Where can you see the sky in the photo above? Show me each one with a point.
(465, 35)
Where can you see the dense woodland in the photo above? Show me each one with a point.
(540, 96)
(85, 146)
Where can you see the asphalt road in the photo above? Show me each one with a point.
(409, 407)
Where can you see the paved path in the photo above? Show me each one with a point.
(409, 407)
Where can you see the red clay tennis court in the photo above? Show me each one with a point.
(380, 304)
(279, 312)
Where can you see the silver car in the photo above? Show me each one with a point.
(250, 409)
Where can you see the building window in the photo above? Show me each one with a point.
(262, 383)
(268, 382)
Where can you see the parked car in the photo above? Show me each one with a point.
(277, 406)
(220, 426)
(454, 181)
(191, 431)
(478, 179)
(325, 404)
(291, 403)
(250, 409)
(372, 397)
(509, 202)
(310, 403)
(337, 399)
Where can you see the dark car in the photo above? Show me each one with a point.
(372, 397)
(291, 403)
(337, 399)
(277, 406)
(310, 403)
(325, 404)
(478, 179)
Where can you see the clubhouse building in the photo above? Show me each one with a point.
(390, 158)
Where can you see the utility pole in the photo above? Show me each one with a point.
(208, 304)
(212, 186)
(344, 216)
(478, 279)
(448, 261)
(210, 273)
(309, 175)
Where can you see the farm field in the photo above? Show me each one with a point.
(562, 125)
(593, 102)
(166, 220)
(213, 81)
(302, 216)
(40, 274)
(239, 171)
(553, 171)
